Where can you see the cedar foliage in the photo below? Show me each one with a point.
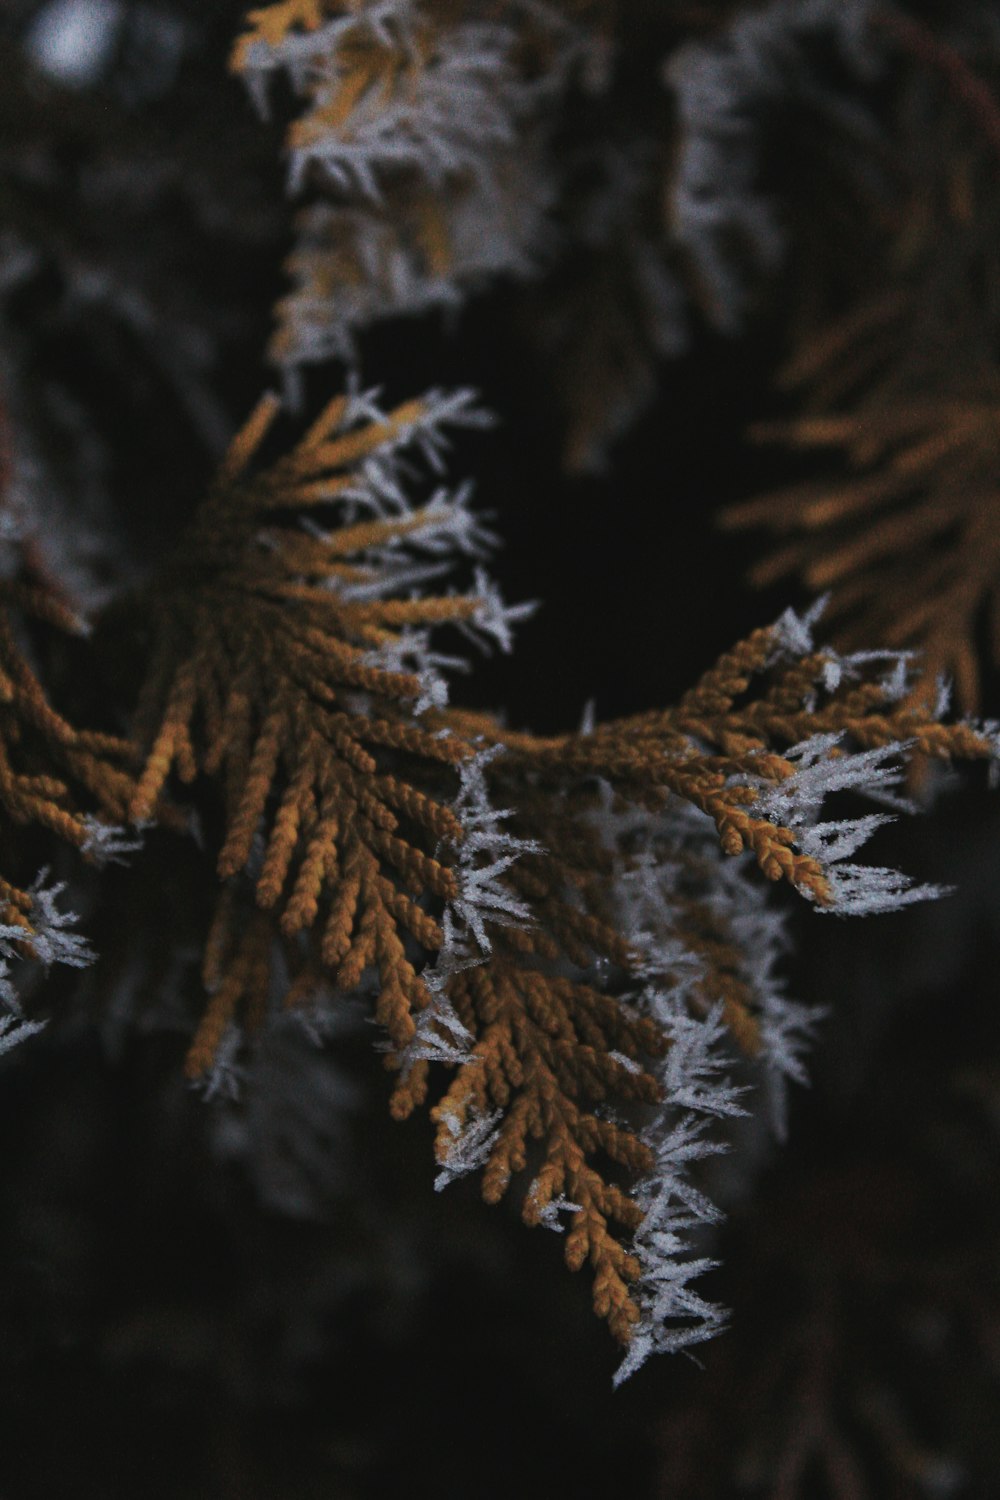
(573, 944)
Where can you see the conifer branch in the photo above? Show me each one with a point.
(280, 668)
(544, 917)
(897, 397)
(74, 784)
